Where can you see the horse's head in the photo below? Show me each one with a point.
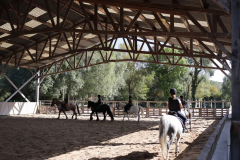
(54, 101)
(120, 105)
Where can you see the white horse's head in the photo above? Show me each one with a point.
(120, 105)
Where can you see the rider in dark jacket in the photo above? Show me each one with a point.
(65, 101)
(127, 107)
(183, 102)
(174, 104)
(99, 102)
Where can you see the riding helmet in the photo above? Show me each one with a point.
(173, 91)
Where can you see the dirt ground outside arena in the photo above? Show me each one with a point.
(42, 136)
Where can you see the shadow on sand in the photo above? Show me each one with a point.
(42, 138)
(132, 156)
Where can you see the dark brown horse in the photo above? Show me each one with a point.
(71, 106)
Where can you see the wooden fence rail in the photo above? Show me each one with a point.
(45, 107)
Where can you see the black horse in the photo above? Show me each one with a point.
(102, 108)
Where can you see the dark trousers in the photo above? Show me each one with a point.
(182, 116)
(127, 107)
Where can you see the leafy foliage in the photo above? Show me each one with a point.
(116, 81)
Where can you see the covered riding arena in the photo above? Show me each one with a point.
(42, 34)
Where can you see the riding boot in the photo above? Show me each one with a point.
(185, 130)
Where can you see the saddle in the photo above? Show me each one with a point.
(173, 113)
(64, 105)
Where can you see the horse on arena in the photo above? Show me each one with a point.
(133, 109)
(187, 112)
(102, 108)
(71, 106)
(169, 126)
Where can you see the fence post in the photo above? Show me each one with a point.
(83, 107)
(211, 103)
(200, 112)
(214, 103)
(114, 105)
(147, 109)
(222, 103)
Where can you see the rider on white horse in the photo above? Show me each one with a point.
(174, 104)
(129, 105)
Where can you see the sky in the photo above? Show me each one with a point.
(218, 75)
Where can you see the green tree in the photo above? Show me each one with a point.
(198, 75)
(166, 77)
(227, 89)
(4, 91)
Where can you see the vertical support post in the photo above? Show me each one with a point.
(211, 103)
(37, 88)
(214, 103)
(222, 103)
(235, 9)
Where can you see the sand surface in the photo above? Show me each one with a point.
(44, 137)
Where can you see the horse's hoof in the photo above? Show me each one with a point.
(97, 120)
(112, 120)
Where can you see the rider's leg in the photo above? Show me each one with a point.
(182, 116)
(125, 108)
(97, 106)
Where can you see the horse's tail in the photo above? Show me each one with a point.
(78, 109)
(110, 112)
(163, 136)
(142, 111)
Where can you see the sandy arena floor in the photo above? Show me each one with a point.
(45, 137)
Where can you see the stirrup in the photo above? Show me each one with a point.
(185, 130)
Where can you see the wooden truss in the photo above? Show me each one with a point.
(65, 40)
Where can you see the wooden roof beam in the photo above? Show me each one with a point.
(224, 4)
(158, 7)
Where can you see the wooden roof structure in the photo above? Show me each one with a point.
(40, 34)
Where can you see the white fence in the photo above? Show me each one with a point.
(11, 108)
(148, 110)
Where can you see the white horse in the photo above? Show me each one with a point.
(134, 109)
(187, 112)
(169, 126)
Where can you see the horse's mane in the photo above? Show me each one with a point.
(55, 99)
